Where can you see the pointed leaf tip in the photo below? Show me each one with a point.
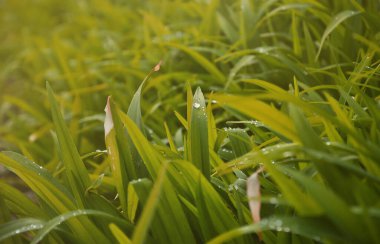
(199, 99)
(108, 122)
(157, 67)
(254, 194)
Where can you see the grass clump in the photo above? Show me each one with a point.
(277, 98)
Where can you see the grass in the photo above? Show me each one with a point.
(275, 100)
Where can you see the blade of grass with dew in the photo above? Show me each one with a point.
(261, 111)
(53, 223)
(50, 191)
(317, 229)
(19, 226)
(199, 134)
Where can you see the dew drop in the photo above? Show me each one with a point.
(273, 200)
(196, 105)
(278, 223)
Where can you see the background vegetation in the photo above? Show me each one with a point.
(280, 143)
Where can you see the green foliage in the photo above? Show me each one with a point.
(289, 87)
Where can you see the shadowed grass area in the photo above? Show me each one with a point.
(287, 89)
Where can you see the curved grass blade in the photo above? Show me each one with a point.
(19, 226)
(338, 19)
(254, 108)
(39, 180)
(55, 222)
(51, 192)
(314, 228)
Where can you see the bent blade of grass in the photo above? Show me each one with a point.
(53, 223)
(19, 226)
(39, 180)
(199, 134)
(76, 171)
(50, 191)
(317, 229)
(254, 108)
(338, 19)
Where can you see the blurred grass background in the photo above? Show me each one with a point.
(90, 49)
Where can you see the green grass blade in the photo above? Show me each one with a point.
(55, 222)
(317, 229)
(261, 111)
(334, 207)
(150, 196)
(199, 134)
(19, 226)
(122, 165)
(153, 162)
(336, 21)
(76, 171)
(119, 234)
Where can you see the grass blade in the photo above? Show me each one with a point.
(338, 19)
(199, 134)
(76, 171)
